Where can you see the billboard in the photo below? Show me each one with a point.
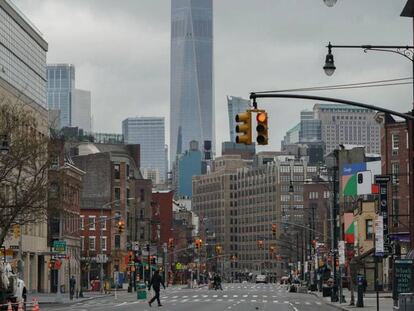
(357, 178)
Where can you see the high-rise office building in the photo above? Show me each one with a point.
(23, 84)
(60, 86)
(343, 124)
(235, 105)
(81, 110)
(192, 112)
(149, 132)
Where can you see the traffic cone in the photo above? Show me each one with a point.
(20, 308)
(9, 307)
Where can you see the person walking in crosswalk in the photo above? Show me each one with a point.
(156, 282)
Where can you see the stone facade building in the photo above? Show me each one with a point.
(242, 202)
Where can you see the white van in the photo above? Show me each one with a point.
(261, 279)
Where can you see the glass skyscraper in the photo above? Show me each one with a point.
(22, 54)
(192, 109)
(235, 105)
(60, 86)
(149, 132)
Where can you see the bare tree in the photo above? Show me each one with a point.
(25, 158)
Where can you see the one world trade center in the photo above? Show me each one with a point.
(192, 109)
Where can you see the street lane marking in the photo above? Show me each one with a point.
(214, 296)
(307, 303)
(275, 301)
(286, 301)
(253, 300)
(296, 309)
(235, 296)
(245, 296)
(184, 300)
(121, 304)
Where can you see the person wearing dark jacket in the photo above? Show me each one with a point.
(156, 282)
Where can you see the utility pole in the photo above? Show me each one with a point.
(334, 295)
(101, 250)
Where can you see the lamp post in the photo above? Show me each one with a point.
(329, 3)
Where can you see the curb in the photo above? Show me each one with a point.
(73, 301)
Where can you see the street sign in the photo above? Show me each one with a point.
(59, 246)
(383, 181)
(403, 277)
(379, 236)
(101, 258)
(58, 256)
(341, 251)
(178, 266)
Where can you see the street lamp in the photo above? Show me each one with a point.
(329, 62)
(330, 3)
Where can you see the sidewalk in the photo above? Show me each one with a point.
(50, 298)
(370, 302)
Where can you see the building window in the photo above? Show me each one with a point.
(326, 194)
(395, 139)
(92, 222)
(142, 195)
(117, 171)
(395, 171)
(395, 211)
(117, 241)
(102, 222)
(82, 222)
(117, 194)
(313, 195)
(103, 243)
(82, 241)
(92, 243)
(369, 230)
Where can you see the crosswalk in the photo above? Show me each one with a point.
(211, 298)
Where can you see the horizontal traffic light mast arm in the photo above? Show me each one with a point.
(254, 96)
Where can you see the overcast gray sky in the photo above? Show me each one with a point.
(121, 52)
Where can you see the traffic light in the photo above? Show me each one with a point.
(219, 248)
(121, 226)
(198, 243)
(171, 243)
(153, 260)
(274, 229)
(16, 231)
(262, 128)
(245, 128)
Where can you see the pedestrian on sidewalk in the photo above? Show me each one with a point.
(72, 284)
(156, 282)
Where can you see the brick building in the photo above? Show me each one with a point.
(113, 188)
(65, 182)
(395, 155)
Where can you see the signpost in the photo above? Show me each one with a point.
(59, 246)
(382, 181)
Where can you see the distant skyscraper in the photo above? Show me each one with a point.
(192, 112)
(310, 128)
(60, 86)
(81, 110)
(235, 105)
(149, 132)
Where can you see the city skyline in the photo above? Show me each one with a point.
(144, 68)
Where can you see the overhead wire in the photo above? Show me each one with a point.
(378, 83)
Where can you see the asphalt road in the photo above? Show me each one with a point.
(240, 297)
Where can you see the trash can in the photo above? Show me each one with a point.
(406, 301)
(141, 291)
(326, 291)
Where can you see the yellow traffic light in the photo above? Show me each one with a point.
(171, 242)
(245, 128)
(274, 227)
(121, 226)
(262, 128)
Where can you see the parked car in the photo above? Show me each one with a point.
(261, 279)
